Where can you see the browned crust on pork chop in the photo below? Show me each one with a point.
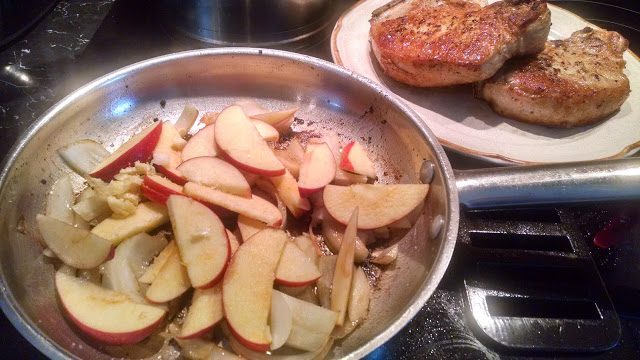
(576, 81)
(446, 42)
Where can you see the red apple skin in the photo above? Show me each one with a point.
(153, 195)
(113, 338)
(220, 276)
(248, 344)
(112, 253)
(251, 169)
(345, 164)
(171, 175)
(142, 151)
(296, 284)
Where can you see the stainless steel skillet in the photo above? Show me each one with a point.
(113, 107)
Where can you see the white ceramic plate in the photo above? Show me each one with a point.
(466, 124)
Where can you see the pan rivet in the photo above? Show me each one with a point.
(436, 226)
(427, 170)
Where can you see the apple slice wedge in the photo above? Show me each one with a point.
(213, 172)
(333, 233)
(158, 262)
(355, 160)
(167, 153)
(295, 268)
(148, 216)
(291, 157)
(268, 132)
(242, 144)
(203, 143)
(380, 205)
(75, 247)
(275, 117)
(202, 240)
(255, 208)
(139, 148)
(247, 288)
(106, 315)
(343, 273)
(204, 313)
(318, 169)
(249, 227)
(288, 191)
(171, 281)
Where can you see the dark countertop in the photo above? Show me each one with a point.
(79, 41)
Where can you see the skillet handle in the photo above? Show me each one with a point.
(587, 181)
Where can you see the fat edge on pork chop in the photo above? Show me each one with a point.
(576, 81)
(432, 43)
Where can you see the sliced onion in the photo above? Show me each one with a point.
(280, 354)
(385, 256)
(83, 155)
(60, 200)
(186, 119)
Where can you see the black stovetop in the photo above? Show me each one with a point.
(79, 41)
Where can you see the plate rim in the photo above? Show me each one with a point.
(628, 150)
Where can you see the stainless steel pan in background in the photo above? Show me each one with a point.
(110, 109)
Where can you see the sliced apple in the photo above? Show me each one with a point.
(287, 189)
(217, 173)
(341, 285)
(292, 156)
(106, 315)
(284, 125)
(171, 281)
(60, 200)
(209, 118)
(311, 325)
(309, 248)
(204, 313)
(202, 240)
(275, 117)
(154, 268)
(83, 155)
(167, 153)
(200, 349)
(318, 169)
(255, 208)
(247, 287)
(360, 294)
(380, 205)
(131, 257)
(234, 244)
(242, 144)
(138, 148)
(147, 217)
(295, 268)
(280, 320)
(250, 107)
(268, 132)
(203, 143)
(187, 119)
(75, 247)
(249, 227)
(355, 160)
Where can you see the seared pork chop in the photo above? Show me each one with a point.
(573, 82)
(445, 42)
